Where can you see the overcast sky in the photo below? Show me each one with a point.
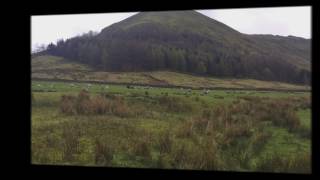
(294, 21)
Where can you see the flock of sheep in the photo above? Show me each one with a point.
(88, 86)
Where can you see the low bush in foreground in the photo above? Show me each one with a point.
(83, 104)
(103, 153)
(299, 163)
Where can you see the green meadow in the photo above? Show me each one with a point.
(171, 128)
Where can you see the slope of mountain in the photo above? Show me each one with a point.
(56, 68)
(187, 41)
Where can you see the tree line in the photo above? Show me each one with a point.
(156, 48)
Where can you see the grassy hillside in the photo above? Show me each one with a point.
(52, 67)
(189, 42)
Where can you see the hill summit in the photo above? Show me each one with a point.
(189, 42)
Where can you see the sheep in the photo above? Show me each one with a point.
(205, 92)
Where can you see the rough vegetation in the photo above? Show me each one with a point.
(267, 132)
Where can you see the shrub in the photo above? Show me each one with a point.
(142, 148)
(199, 124)
(165, 143)
(305, 103)
(207, 114)
(292, 120)
(71, 135)
(179, 157)
(138, 111)
(83, 104)
(160, 162)
(286, 118)
(303, 132)
(297, 163)
(83, 95)
(259, 139)
(238, 130)
(204, 156)
(103, 153)
(185, 130)
(67, 104)
(209, 156)
(281, 112)
(120, 108)
(100, 105)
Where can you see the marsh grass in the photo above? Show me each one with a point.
(169, 131)
(165, 142)
(83, 104)
(104, 153)
(300, 163)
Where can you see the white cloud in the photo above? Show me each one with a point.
(50, 28)
(278, 21)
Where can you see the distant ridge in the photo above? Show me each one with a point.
(187, 41)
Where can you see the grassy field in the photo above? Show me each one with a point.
(170, 128)
(51, 67)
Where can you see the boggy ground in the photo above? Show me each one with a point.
(119, 126)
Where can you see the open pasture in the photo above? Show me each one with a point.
(151, 127)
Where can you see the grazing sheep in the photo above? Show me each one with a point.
(205, 92)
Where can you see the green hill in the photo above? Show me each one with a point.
(189, 42)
